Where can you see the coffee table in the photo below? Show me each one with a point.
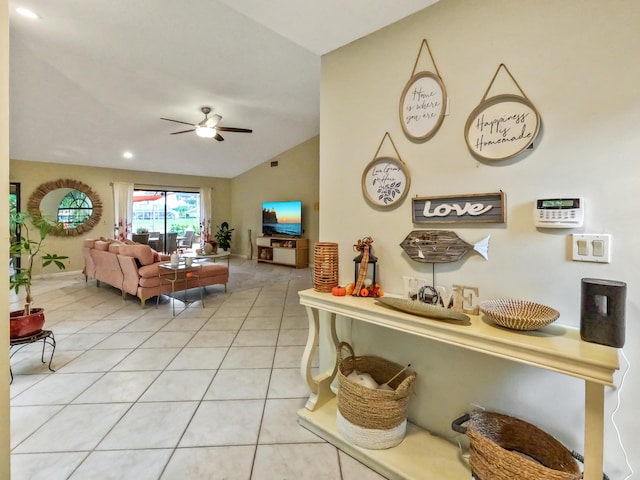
(181, 273)
(214, 256)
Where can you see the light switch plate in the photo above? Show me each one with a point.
(591, 247)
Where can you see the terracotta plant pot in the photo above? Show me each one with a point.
(24, 325)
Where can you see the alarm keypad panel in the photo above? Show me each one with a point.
(559, 212)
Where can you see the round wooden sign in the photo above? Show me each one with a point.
(422, 106)
(501, 127)
(385, 181)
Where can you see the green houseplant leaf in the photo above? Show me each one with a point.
(223, 235)
(29, 249)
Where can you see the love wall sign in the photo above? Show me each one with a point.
(471, 208)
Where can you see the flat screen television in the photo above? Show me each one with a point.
(282, 219)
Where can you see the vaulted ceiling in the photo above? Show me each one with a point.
(92, 79)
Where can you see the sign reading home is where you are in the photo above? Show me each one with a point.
(470, 208)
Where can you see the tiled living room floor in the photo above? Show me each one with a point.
(139, 394)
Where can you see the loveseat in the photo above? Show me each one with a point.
(135, 269)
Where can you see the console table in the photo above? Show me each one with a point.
(431, 456)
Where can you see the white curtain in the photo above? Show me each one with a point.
(205, 211)
(123, 206)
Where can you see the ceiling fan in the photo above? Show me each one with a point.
(208, 127)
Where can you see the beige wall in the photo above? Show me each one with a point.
(576, 61)
(4, 239)
(295, 178)
(32, 174)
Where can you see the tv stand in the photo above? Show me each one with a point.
(291, 251)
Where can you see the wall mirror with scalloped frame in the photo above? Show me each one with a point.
(70, 203)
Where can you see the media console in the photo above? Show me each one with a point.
(422, 455)
(284, 251)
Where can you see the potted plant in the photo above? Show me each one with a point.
(141, 235)
(223, 236)
(29, 320)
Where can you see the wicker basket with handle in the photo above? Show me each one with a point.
(372, 418)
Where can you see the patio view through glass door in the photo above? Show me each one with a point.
(166, 220)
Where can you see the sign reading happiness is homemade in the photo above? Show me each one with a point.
(470, 208)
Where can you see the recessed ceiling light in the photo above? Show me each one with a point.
(25, 12)
(127, 155)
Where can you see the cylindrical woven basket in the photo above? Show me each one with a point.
(325, 266)
(498, 442)
(366, 410)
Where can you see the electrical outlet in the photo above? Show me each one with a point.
(476, 407)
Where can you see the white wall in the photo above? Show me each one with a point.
(4, 239)
(577, 63)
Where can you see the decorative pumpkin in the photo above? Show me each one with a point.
(338, 291)
(364, 292)
(350, 288)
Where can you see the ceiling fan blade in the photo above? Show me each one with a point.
(219, 137)
(183, 131)
(213, 120)
(233, 129)
(177, 121)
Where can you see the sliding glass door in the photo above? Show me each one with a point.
(166, 220)
(14, 233)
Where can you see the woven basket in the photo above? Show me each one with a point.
(502, 448)
(372, 418)
(518, 314)
(325, 266)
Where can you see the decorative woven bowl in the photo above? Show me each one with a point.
(518, 314)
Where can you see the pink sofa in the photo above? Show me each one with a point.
(135, 269)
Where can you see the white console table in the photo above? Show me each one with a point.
(422, 455)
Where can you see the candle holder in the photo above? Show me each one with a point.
(325, 266)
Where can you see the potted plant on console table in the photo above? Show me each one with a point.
(29, 320)
(223, 236)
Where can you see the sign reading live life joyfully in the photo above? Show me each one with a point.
(471, 208)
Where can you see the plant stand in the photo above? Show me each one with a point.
(45, 336)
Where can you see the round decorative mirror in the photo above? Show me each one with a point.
(72, 204)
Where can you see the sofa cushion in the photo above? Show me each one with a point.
(149, 271)
(89, 242)
(212, 270)
(102, 245)
(114, 247)
(143, 253)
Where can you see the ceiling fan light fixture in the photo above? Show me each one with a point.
(205, 132)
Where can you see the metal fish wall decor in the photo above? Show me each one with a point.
(440, 246)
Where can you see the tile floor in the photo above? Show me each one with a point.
(211, 393)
